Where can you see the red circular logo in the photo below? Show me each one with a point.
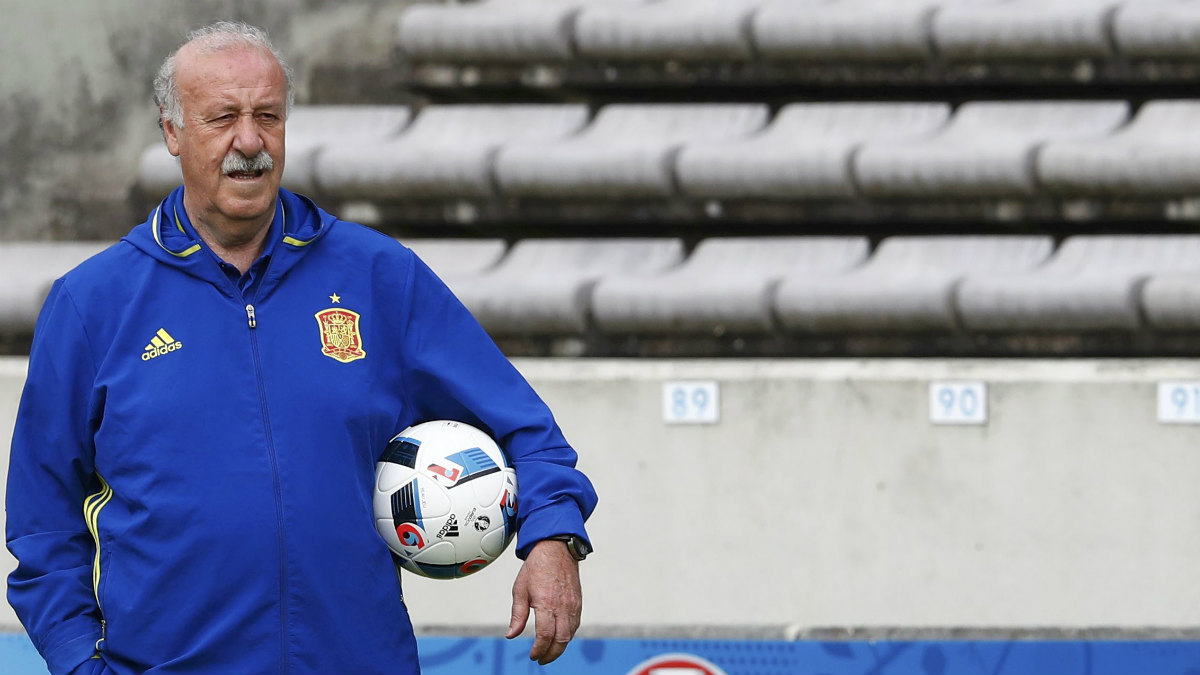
(676, 664)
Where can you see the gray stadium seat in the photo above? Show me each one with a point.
(1024, 29)
(1158, 153)
(1157, 29)
(545, 286)
(627, 151)
(446, 153)
(1091, 283)
(498, 30)
(1171, 301)
(853, 30)
(908, 284)
(724, 286)
(456, 259)
(668, 29)
(309, 129)
(988, 149)
(804, 153)
(29, 269)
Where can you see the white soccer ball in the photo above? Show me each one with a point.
(445, 499)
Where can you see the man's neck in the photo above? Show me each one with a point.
(237, 243)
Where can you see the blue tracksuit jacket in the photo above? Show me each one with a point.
(191, 474)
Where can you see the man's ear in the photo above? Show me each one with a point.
(170, 133)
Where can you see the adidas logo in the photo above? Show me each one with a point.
(450, 529)
(162, 343)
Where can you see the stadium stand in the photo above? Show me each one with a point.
(628, 151)
(545, 286)
(987, 150)
(1091, 284)
(806, 152)
(852, 30)
(506, 30)
(1151, 29)
(1170, 301)
(696, 30)
(447, 153)
(870, 49)
(726, 285)
(1024, 30)
(739, 138)
(1156, 154)
(908, 285)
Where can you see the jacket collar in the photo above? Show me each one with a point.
(169, 238)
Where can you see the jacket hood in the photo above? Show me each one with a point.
(164, 237)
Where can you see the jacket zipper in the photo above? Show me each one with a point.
(252, 322)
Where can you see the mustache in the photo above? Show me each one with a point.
(236, 162)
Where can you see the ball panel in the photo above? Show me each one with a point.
(390, 476)
(486, 491)
(436, 553)
(493, 543)
(388, 532)
(433, 500)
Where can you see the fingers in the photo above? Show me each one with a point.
(553, 631)
(520, 611)
(516, 625)
(548, 583)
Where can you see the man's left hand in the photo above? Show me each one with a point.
(549, 584)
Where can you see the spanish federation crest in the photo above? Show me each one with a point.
(340, 336)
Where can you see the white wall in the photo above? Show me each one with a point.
(824, 497)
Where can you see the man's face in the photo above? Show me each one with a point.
(234, 103)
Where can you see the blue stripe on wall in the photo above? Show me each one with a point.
(496, 656)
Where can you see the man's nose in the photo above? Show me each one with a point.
(247, 136)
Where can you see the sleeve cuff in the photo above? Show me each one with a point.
(66, 656)
(549, 522)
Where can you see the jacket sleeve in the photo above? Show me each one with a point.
(50, 471)
(455, 371)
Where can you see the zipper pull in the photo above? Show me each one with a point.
(250, 315)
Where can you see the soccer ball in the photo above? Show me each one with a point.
(445, 499)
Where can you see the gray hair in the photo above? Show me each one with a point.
(210, 39)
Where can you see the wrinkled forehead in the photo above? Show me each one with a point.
(233, 75)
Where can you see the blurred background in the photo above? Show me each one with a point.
(875, 322)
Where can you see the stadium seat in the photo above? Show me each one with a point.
(1090, 284)
(446, 153)
(725, 286)
(1024, 29)
(804, 153)
(309, 130)
(907, 285)
(544, 286)
(497, 30)
(693, 30)
(1171, 301)
(987, 150)
(1148, 29)
(1158, 153)
(30, 269)
(456, 259)
(849, 30)
(628, 151)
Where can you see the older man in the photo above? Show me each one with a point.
(191, 471)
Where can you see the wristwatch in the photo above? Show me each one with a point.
(576, 546)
